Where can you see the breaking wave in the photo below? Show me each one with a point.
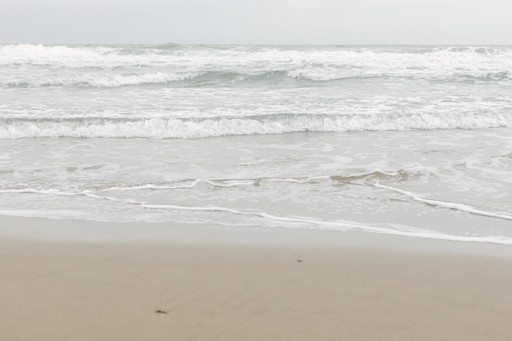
(100, 80)
(252, 125)
(142, 64)
(203, 78)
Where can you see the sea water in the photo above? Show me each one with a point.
(403, 140)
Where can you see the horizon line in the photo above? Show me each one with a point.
(258, 44)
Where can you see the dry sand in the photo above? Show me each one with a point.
(228, 291)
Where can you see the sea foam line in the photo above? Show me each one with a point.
(39, 191)
(226, 183)
(450, 205)
(342, 225)
(180, 185)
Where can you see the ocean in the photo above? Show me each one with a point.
(412, 141)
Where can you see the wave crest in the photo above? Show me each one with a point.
(315, 64)
(252, 125)
(103, 80)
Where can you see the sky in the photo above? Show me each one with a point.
(256, 21)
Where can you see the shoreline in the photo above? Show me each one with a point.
(82, 231)
(212, 287)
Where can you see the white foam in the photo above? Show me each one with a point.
(100, 80)
(39, 191)
(216, 183)
(191, 183)
(299, 180)
(304, 222)
(450, 205)
(176, 128)
(182, 185)
(229, 183)
(319, 63)
(361, 175)
(179, 185)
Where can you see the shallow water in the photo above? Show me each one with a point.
(413, 141)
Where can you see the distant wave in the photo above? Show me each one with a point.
(110, 80)
(112, 55)
(265, 124)
(70, 56)
(151, 64)
(206, 78)
(101, 80)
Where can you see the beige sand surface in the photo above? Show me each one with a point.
(215, 291)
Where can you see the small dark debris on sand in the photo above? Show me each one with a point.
(158, 311)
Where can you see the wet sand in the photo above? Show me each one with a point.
(214, 290)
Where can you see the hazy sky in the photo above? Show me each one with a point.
(257, 21)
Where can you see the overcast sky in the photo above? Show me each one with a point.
(257, 21)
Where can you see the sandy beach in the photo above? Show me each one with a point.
(207, 289)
